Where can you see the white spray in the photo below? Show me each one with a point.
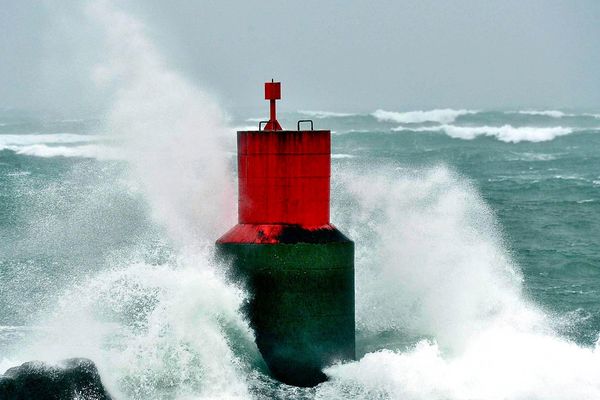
(434, 265)
(166, 330)
(172, 131)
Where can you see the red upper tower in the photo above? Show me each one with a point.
(283, 178)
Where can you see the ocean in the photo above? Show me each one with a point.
(477, 251)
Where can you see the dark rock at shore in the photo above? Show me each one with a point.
(75, 378)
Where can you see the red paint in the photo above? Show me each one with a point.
(284, 177)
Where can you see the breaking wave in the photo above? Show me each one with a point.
(324, 114)
(98, 152)
(60, 145)
(501, 363)
(554, 113)
(52, 138)
(505, 133)
(442, 116)
(433, 265)
(546, 113)
(341, 155)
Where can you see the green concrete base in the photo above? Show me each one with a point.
(301, 306)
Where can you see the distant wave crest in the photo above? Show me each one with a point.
(546, 113)
(98, 152)
(553, 113)
(53, 138)
(442, 116)
(58, 145)
(341, 155)
(324, 114)
(505, 133)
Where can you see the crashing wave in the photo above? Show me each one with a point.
(484, 339)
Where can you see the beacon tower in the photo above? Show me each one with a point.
(297, 267)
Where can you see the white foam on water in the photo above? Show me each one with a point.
(153, 331)
(98, 152)
(585, 201)
(570, 177)
(339, 156)
(351, 131)
(554, 113)
(546, 113)
(442, 116)
(51, 138)
(527, 156)
(59, 145)
(499, 364)
(324, 114)
(505, 133)
(19, 173)
(13, 328)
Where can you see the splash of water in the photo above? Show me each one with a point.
(436, 266)
(167, 330)
(172, 132)
(435, 263)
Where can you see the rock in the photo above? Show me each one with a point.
(75, 378)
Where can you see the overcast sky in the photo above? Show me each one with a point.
(336, 55)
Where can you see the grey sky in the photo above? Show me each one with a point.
(336, 55)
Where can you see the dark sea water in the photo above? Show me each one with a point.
(478, 254)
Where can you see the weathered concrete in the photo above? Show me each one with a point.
(302, 304)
